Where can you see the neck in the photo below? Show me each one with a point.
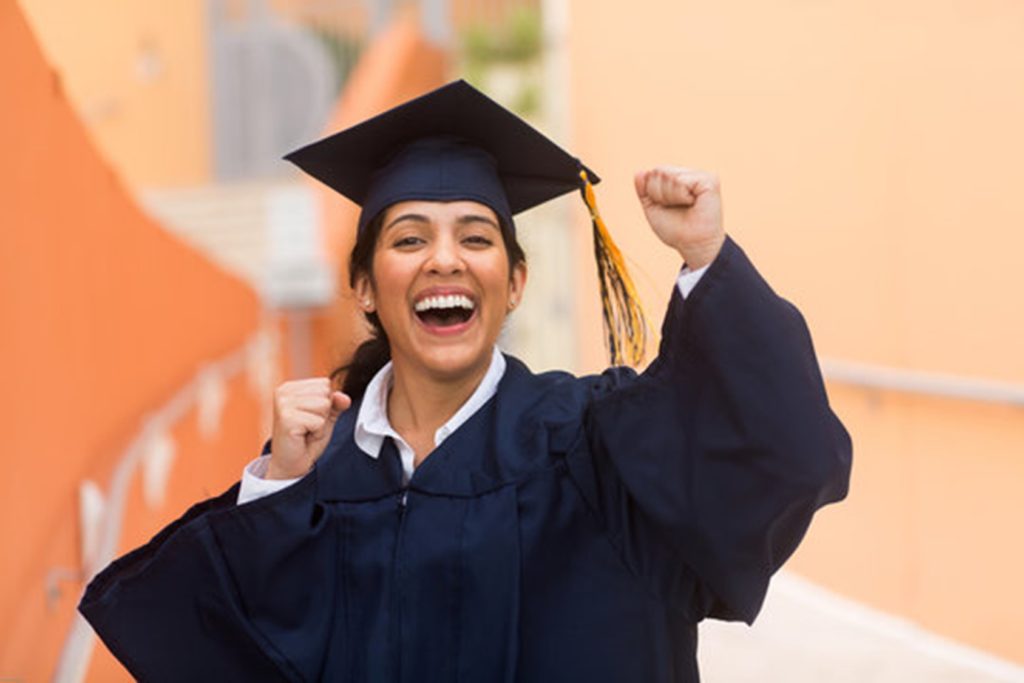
(419, 403)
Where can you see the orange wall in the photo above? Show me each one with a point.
(137, 74)
(870, 160)
(104, 317)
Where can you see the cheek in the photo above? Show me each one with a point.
(499, 285)
(391, 274)
(389, 286)
(494, 270)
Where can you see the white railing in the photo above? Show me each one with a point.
(924, 383)
(152, 452)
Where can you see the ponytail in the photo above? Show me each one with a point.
(369, 358)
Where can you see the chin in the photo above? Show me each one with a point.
(442, 359)
(454, 362)
(445, 346)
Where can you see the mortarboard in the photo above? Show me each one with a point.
(455, 143)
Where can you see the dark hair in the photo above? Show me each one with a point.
(375, 352)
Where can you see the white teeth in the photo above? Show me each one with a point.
(449, 301)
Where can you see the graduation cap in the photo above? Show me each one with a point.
(455, 143)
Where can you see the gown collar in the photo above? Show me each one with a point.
(372, 426)
(506, 439)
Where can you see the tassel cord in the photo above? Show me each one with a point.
(624, 322)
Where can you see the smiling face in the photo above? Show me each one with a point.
(441, 285)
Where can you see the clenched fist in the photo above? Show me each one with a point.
(305, 411)
(684, 207)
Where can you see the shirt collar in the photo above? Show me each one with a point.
(372, 424)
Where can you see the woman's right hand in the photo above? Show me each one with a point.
(305, 411)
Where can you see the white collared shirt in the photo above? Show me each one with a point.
(373, 426)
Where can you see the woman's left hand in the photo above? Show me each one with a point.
(684, 207)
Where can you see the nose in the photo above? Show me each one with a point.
(445, 257)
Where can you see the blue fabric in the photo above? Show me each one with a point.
(574, 529)
(450, 143)
(440, 169)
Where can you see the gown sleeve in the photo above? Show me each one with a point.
(707, 468)
(203, 600)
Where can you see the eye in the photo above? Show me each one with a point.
(476, 240)
(407, 241)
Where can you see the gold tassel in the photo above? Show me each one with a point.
(624, 323)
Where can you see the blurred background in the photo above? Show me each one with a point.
(161, 270)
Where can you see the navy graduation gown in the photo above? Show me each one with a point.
(573, 529)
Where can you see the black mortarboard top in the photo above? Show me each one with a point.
(451, 143)
(456, 143)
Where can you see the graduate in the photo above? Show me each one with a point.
(448, 515)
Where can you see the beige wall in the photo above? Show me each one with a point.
(136, 72)
(870, 158)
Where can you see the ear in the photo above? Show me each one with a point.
(363, 289)
(517, 284)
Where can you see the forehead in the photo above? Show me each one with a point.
(438, 211)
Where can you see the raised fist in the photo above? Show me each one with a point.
(305, 411)
(684, 208)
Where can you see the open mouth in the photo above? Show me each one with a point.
(445, 311)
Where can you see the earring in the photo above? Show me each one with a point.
(511, 304)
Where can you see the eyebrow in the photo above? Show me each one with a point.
(461, 220)
(415, 217)
(477, 218)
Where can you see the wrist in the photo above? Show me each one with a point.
(698, 255)
(275, 471)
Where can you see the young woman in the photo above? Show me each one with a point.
(451, 516)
